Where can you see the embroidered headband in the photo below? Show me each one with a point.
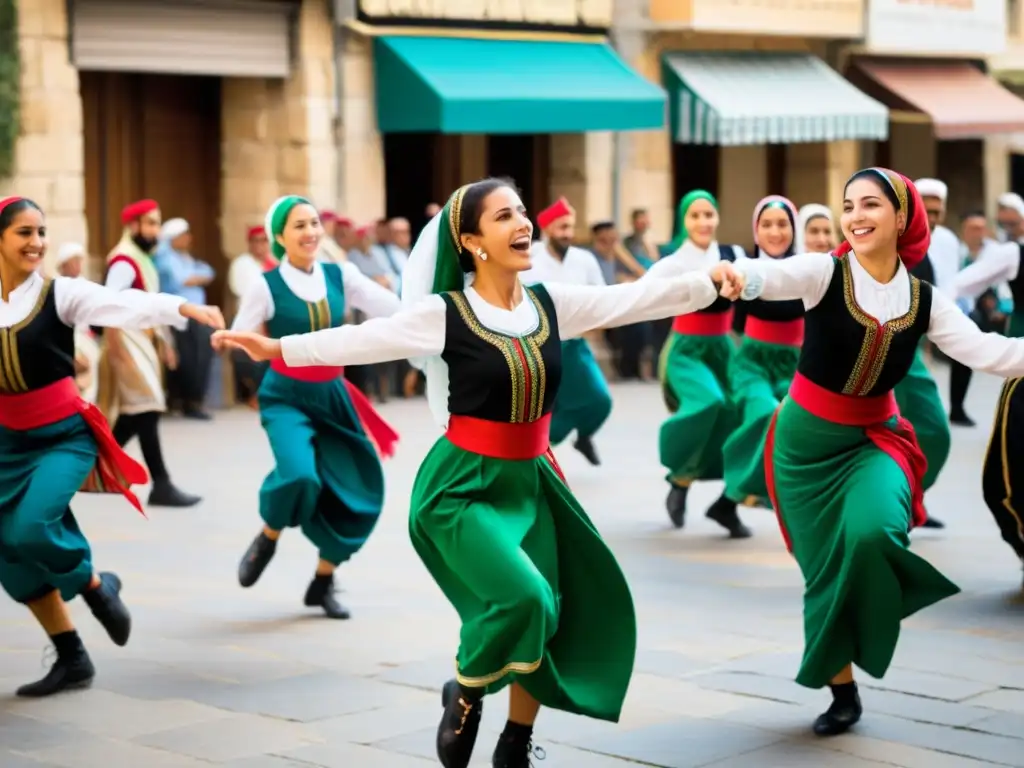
(455, 215)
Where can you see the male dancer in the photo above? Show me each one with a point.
(131, 382)
(583, 401)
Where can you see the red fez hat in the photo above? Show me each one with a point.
(328, 216)
(256, 232)
(554, 212)
(137, 210)
(8, 200)
(342, 221)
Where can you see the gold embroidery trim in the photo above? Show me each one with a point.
(319, 314)
(454, 216)
(12, 378)
(517, 667)
(889, 331)
(1006, 397)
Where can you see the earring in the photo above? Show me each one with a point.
(481, 254)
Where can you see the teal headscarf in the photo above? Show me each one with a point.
(276, 217)
(448, 274)
(684, 205)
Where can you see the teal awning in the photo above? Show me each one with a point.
(735, 99)
(462, 85)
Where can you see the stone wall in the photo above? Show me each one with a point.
(49, 157)
(362, 188)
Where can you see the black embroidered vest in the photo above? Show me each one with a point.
(39, 350)
(1017, 284)
(848, 352)
(720, 305)
(924, 270)
(497, 377)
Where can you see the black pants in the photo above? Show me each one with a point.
(959, 381)
(248, 374)
(628, 345)
(1002, 475)
(187, 384)
(145, 426)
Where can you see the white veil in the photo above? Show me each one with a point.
(808, 212)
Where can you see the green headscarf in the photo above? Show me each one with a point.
(276, 217)
(684, 205)
(448, 274)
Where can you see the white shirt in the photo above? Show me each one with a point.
(121, 276)
(808, 275)
(944, 253)
(690, 258)
(577, 267)
(82, 303)
(419, 331)
(243, 272)
(361, 293)
(997, 263)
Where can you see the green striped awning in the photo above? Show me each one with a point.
(741, 99)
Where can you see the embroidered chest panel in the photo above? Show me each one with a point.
(294, 315)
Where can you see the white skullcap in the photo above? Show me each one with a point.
(173, 228)
(69, 251)
(932, 188)
(1013, 201)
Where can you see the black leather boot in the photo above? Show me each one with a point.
(585, 445)
(676, 504)
(73, 669)
(321, 594)
(167, 494)
(460, 724)
(931, 522)
(515, 748)
(106, 605)
(723, 512)
(844, 712)
(256, 559)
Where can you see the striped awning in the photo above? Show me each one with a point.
(741, 99)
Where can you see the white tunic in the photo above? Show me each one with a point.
(419, 331)
(808, 275)
(243, 272)
(997, 263)
(690, 258)
(577, 267)
(361, 293)
(944, 253)
(82, 302)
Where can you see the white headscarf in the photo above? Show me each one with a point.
(932, 188)
(808, 212)
(69, 251)
(173, 228)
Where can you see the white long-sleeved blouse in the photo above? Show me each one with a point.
(82, 303)
(998, 263)
(419, 331)
(807, 277)
(362, 293)
(690, 258)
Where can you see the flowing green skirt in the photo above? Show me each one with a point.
(759, 378)
(920, 404)
(541, 597)
(41, 546)
(327, 480)
(846, 507)
(583, 402)
(694, 382)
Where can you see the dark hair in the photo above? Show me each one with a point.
(874, 176)
(472, 209)
(975, 213)
(637, 213)
(602, 226)
(13, 209)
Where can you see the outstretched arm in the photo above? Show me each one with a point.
(1000, 265)
(957, 335)
(804, 277)
(83, 302)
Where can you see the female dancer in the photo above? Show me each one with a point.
(763, 366)
(815, 229)
(491, 516)
(324, 433)
(53, 443)
(694, 369)
(844, 471)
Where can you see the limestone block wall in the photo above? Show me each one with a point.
(49, 161)
(581, 170)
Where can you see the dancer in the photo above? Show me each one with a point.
(491, 516)
(53, 443)
(694, 369)
(70, 264)
(1003, 470)
(844, 470)
(584, 401)
(131, 391)
(815, 229)
(324, 433)
(917, 394)
(761, 369)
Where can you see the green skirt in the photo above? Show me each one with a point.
(327, 478)
(694, 382)
(759, 378)
(583, 401)
(846, 508)
(41, 546)
(541, 597)
(920, 404)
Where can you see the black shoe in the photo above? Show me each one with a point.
(106, 605)
(586, 446)
(321, 595)
(843, 714)
(72, 670)
(459, 726)
(515, 748)
(197, 415)
(961, 419)
(931, 522)
(255, 560)
(723, 512)
(166, 494)
(676, 504)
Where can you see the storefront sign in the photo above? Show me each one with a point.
(937, 27)
(595, 14)
(797, 18)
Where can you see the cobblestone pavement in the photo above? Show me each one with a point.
(215, 675)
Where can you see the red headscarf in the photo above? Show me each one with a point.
(8, 200)
(912, 243)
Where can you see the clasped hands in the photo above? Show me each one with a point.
(729, 281)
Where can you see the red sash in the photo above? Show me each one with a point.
(704, 323)
(504, 440)
(789, 333)
(115, 470)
